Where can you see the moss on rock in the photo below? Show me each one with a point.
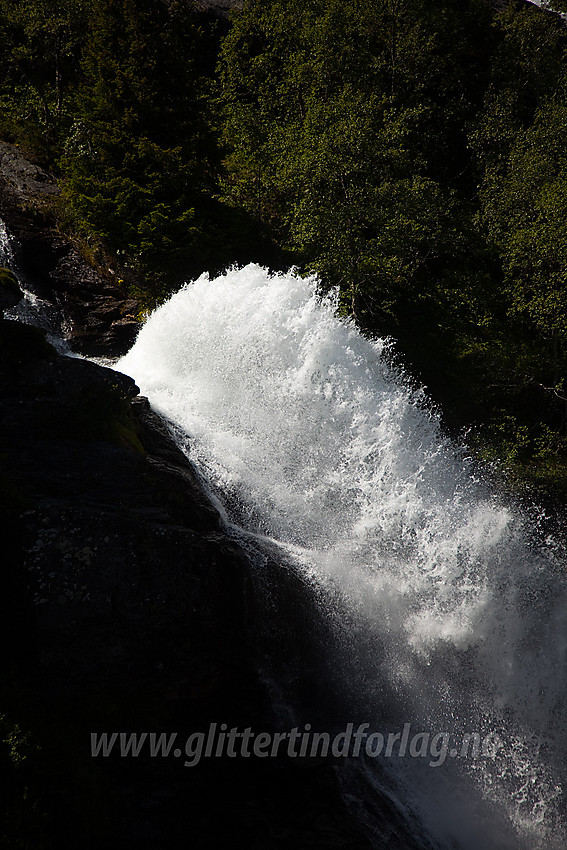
(10, 292)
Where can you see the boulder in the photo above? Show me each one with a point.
(10, 292)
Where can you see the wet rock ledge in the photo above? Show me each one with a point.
(99, 317)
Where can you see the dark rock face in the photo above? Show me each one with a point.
(124, 605)
(24, 179)
(100, 318)
(10, 292)
(126, 608)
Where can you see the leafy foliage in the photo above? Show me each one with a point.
(42, 43)
(135, 158)
(412, 153)
(519, 139)
(336, 124)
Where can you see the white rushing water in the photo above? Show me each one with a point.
(461, 614)
(6, 247)
(31, 310)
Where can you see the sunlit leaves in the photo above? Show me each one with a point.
(135, 161)
(334, 117)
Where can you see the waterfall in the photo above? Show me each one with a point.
(32, 310)
(453, 605)
(6, 247)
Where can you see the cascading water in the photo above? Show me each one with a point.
(457, 612)
(6, 247)
(31, 310)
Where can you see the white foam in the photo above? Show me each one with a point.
(326, 449)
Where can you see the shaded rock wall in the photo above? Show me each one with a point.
(124, 607)
(99, 317)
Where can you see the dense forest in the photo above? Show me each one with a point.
(413, 154)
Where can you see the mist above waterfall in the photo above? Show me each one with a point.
(319, 444)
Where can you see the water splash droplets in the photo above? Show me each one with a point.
(326, 449)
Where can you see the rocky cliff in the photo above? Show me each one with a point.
(125, 607)
(99, 316)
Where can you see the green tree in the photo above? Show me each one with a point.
(137, 157)
(520, 140)
(336, 117)
(42, 43)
